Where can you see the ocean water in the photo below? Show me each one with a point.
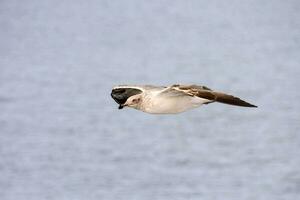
(62, 136)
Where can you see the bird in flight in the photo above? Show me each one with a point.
(172, 99)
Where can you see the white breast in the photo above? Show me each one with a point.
(171, 105)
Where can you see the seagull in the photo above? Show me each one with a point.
(171, 99)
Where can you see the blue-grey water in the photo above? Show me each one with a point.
(62, 136)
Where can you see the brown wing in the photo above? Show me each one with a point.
(206, 93)
(191, 87)
(224, 98)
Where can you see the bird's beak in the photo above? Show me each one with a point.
(121, 106)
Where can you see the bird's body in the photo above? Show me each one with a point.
(167, 102)
(170, 100)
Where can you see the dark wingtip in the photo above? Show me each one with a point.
(245, 104)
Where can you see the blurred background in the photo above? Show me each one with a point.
(62, 136)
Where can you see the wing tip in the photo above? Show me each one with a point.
(232, 100)
(246, 104)
(252, 106)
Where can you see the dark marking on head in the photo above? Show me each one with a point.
(120, 95)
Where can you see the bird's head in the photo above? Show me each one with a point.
(127, 96)
(133, 101)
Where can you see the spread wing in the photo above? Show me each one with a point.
(205, 93)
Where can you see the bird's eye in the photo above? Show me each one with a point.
(135, 100)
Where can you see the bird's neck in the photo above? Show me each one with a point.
(147, 103)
